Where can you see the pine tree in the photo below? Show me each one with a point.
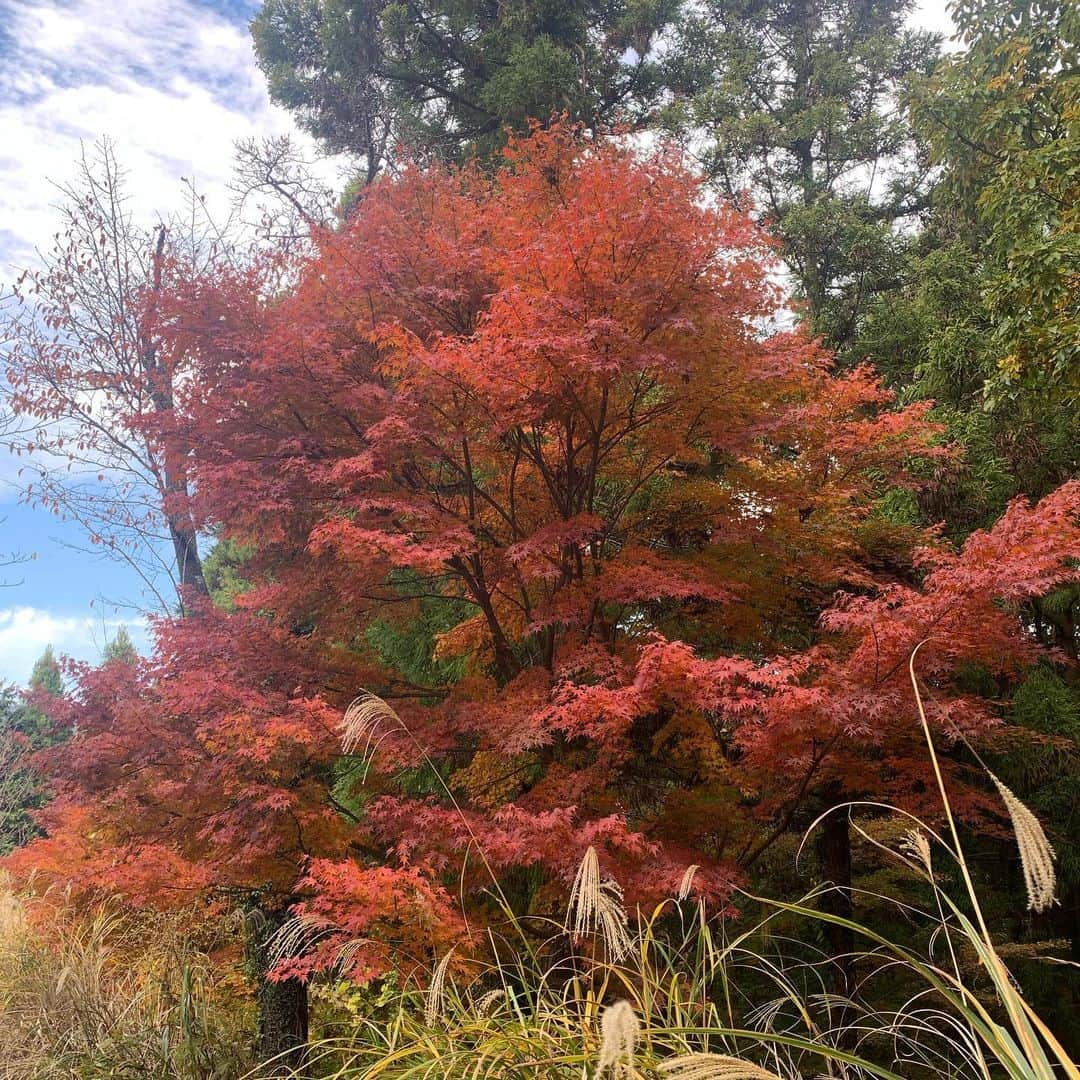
(25, 728)
(121, 648)
(448, 78)
(796, 102)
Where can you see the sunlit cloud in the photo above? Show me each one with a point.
(173, 83)
(25, 633)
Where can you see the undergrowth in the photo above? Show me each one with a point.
(672, 992)
(113, 994)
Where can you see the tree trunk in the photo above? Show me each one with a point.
(188, 563)
(281, 1006)
(181, 528)
(834, 850)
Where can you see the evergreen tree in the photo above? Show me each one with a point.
(120, 648)
(448, 77)
(1002, 118)
(933, 338)
(18, 787)
(224, 569)
(796, 102)
(985, 320)
(24, 728)
(45, 674)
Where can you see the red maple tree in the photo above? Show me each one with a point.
(553, 397)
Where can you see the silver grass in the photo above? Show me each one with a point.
(1036, 851)
(294, 937)
(365, 720)
(713, 1067)
(583, 893)
(614, 931)
(486, 1004)
(687, 882)
(619, 1030)
(916, 845)
(435, 1001)
(596, 908)
(347, 953)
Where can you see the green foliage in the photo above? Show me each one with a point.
(406, 639)
(20, 789)
(1044, 703)
(46, 674)
(986, 324)
(933, 338)
(448, 77)
(1046, 769)
(24, 728)
(796, 103)
(1003, 120)
(121, 648)
(223, 569)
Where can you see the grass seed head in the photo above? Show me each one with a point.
(435, 1001)
(596, 907)
(1036, 851)
(365, 720)
(687, 882)
(713, 1067)
(619, 1031)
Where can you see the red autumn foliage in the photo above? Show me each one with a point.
(550, 396)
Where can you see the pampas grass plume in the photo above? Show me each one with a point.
(1036, 851)
(687, 882)
(364, 720)
(619, 1030)
(435, 1002)
(713, 1067)
(596, 907)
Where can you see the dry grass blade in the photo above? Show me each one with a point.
(103, 993)
(1036, 851)
(713, 1067)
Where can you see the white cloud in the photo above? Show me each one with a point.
(25, 632)
(171, 82)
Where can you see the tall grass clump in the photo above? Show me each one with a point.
(676, 993)
(108, 994)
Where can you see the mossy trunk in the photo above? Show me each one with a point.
(281, 1005)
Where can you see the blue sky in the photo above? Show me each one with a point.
(174, 84)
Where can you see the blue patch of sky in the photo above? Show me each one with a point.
(68, 588)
